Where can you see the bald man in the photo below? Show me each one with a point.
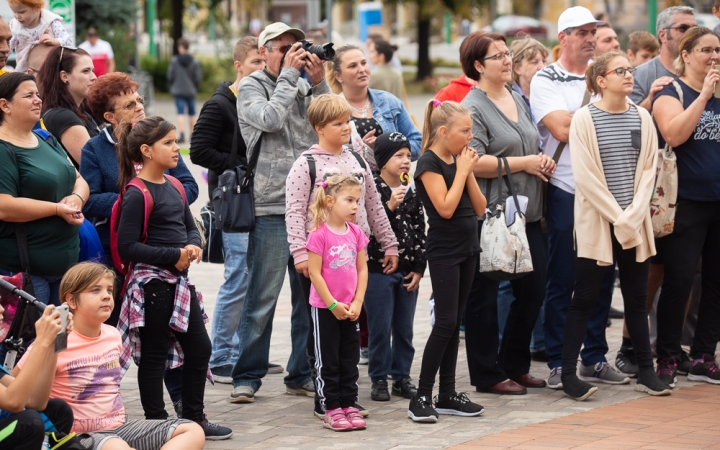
(5, 36)
(36, 57)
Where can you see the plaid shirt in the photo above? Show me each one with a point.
(132, 315)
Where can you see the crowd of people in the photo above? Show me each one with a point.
(534, 180)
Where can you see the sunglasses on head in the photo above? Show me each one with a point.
(397, 137)
(66, 47)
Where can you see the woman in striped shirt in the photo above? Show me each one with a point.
(613, 148)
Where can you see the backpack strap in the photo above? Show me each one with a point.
(138, 183)
(561, 145)
(178, 185)
(359, 159)
(311, 170)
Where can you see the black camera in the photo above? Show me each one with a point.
(325, 51)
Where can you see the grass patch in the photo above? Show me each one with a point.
(185, 151)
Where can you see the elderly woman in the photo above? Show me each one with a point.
(502, 127)
(41, 193)
(373, 112)
(529, 56)
(65, 78)
(686, 116)
(113, 98)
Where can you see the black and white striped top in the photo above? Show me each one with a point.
(619, 139)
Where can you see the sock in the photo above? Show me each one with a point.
(626, 344)
(648, 378)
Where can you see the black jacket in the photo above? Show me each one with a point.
(212, 139)
(408, 224)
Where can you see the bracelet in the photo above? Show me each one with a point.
(333, 305)
(80, 197)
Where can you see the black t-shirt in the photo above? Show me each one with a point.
(57, 120)
(447, 238)
(170, 228)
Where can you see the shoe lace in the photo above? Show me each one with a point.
(461, 397)
(667, 366)
(711, 364)
(424, 402)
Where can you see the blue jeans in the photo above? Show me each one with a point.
(390, 311)
(229, 304)
(561, 282)
(180, 105)
(268, 258)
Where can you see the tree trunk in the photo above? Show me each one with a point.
(424, 67)
(178, 7)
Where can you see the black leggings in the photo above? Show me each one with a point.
(29, 427)
(696, 234)
(588, 278)
(451, 281)
(155, 339)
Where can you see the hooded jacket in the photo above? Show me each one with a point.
(212, 138)
(371, 217)
(455, 91)
(283, 123)
(184, 75)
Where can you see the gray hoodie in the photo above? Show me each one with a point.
(184, 75)
(286, 131)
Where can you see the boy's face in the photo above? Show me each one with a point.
(252, 63)
(641, 57)
(95, 305)
(398, 163)
(336, 133)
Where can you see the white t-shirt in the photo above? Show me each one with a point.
(100, 48)
(554, 89)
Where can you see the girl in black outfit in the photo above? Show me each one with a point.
(159, 269)
(452, 200)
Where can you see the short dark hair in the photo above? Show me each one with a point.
(9, 84)
(184, 43)
(386, 49)
(475, 48)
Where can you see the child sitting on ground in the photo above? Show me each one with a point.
(88, 373)
(391, 298)
(31, 26)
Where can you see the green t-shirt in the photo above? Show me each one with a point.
(41, 173)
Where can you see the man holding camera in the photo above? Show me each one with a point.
(272, 107)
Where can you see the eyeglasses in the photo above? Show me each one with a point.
(132, 104)
(397, 137)
(63, 51)
(500, 56)
(621, 71)
(709, 50)
(282, 48)
(681, 28)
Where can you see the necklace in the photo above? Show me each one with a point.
(498, 99)
(15, 137)
(362, 112)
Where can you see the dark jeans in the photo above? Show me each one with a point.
(29, 428)
(487, 364)
(589, 276)
(195, 343)
(696, 234)
(561, 282)
(451, 281)
(390, 310)
(337, 346)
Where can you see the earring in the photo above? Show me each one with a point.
(482, 72)
(67, 82)
(150, 158)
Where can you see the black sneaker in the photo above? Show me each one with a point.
(404, 388)
(667, 371)
(214, 432)
(379, 391)
(421, 410)
(319, 411)
(684, 365)
(222, 374)
(177, 406)
(626, 363)
(705, 369)
(457, 404)
(363, 412)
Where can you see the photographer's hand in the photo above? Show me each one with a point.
(295, 56)
(315, 69)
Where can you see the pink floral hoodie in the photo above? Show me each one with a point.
(371, 217)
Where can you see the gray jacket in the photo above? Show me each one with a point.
(184, 75)
(285, 129)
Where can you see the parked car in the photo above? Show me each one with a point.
(518, 26)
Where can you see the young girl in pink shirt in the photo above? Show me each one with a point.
(338, 271)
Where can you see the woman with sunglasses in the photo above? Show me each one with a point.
(502, 127)
(690, 127)
(64, 81)
(613, 147)
(113, 98)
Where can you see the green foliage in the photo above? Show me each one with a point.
(157, 68)
(105, 14)
(214, 70)
(123, 47)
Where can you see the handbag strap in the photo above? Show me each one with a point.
(561, 145)
(509, 183)
(20, 229)
(250, 173)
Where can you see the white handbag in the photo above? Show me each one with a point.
(505, 249)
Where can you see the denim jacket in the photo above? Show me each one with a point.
(391, 115)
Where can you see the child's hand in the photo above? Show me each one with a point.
(466, 161)
(340, 311)
(48, 40)
(184, 261)
(355, 308)
(397, 197)
(414, 282)
(194, 253)
(390, 264)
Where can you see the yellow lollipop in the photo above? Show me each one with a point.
(404, 179)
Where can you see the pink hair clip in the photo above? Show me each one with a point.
(323, 184)
(436, 103)
(132, 125)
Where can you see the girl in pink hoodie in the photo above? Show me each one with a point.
(329, 115)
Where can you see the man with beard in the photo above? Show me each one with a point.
(558, 91)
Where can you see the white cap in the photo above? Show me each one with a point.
(576, 16)
(276, 29)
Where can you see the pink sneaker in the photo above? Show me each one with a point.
(355, 418)
(335, 420)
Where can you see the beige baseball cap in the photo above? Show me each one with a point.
(276, 29)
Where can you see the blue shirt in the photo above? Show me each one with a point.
(698, 158)
(391, 115)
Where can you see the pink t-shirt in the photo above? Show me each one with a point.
(339, 252)
(88, 378)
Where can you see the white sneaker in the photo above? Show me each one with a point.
(243, 394)
(554, 381)
(602, 372)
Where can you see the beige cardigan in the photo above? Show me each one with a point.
(595, 206)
